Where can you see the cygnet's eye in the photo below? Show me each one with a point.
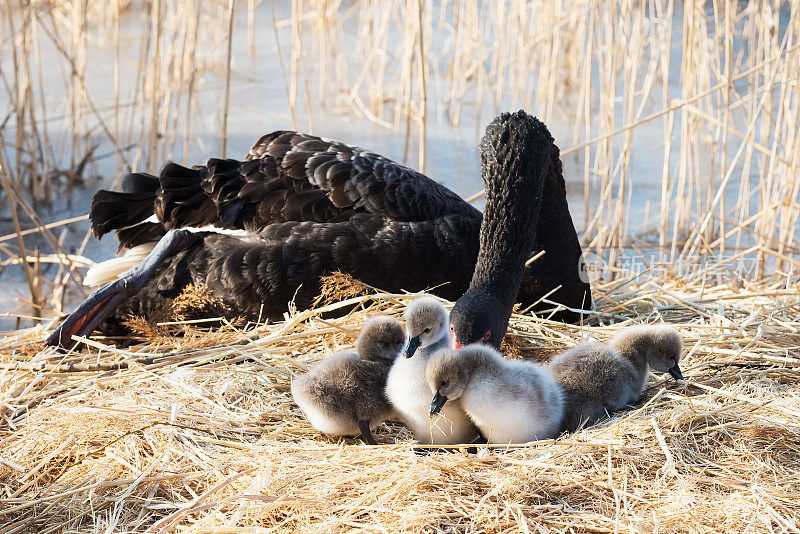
(426, 330)
(444, 384)
(487, 335)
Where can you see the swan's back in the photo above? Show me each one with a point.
(286, 176)
(514, 401)
(340, 391)
(301, 207)
(596, 381)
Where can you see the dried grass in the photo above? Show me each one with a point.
(177, 327)
(679, 120)
(197, 431)
(340, 286)
(178, 438)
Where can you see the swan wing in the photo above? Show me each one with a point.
(286, 177)
(352, 180)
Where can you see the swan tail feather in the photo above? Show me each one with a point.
(116, 210)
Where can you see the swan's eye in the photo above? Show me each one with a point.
(487, 335)
(453, 329)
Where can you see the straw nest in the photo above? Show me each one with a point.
(198, 432)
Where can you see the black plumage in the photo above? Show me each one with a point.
(314, 206)
(525, 209)
(287, 176)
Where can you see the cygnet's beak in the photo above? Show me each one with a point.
(437, 403)
(413, 345)
(675, 372)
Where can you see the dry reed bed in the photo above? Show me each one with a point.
(171, 435)
(687, 111)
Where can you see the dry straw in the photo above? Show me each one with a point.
(204, 437)
(193, 430)
(702, 96)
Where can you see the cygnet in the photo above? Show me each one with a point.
(510, 401)
(344, 394)
(599, 379)
(407, 387)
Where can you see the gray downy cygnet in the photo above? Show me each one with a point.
(510, 401)
(407, 388)
(599, 379)
(343, 394)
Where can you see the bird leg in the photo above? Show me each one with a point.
(99, 304)
(366, 435)
(479, 440)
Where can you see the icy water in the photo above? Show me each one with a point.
(258, 105)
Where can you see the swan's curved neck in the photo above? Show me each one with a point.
(634, 349)
(515, 161)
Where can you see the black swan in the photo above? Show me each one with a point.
(517, 168)
(301, 207)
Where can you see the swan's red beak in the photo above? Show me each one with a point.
(455, 345)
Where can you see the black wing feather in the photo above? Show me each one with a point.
(287, 176)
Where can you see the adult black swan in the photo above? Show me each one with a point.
(516, 182)
(299, 207)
